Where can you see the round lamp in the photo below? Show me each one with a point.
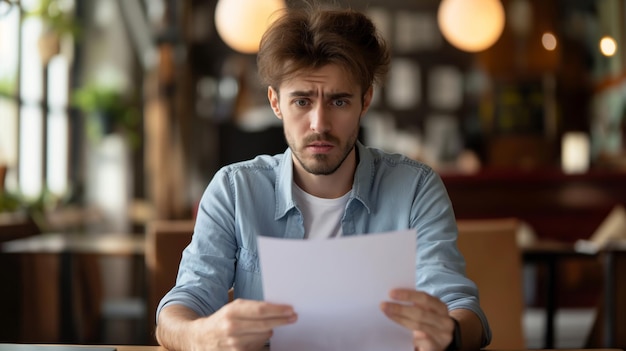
(241, 23)
(471, 25)
(608, 46)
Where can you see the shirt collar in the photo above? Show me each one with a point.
(284, 179)
(363, 177)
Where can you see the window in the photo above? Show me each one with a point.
(9, 24)
(34, 125)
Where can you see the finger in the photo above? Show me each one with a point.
(420, 298)
(415, 317)
(409, 317)
(256, 326)
(248, 316)
(413, 311)
(249, 309)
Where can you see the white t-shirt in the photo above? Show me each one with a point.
(322, 217)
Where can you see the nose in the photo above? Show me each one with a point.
(320, 121)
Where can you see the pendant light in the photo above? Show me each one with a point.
(471, 25)
(241, 23)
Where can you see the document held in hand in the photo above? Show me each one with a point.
(336, 287)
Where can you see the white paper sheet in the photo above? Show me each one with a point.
(336, 287)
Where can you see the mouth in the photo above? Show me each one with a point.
(320, 147)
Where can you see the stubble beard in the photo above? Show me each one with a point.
(324, 164)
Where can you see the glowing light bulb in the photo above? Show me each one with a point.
(548, 40)
(241, 23)
(608, 46)
(471, 25)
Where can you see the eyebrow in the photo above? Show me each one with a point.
(307, 93)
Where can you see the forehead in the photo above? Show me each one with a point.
(331, 78)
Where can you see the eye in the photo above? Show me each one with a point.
(340, 103)
(300, 102)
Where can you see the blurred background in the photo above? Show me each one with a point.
(115, 114)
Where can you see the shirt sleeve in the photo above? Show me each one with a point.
(440, 266)
(207, 266)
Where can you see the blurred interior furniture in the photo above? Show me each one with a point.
(68, 307)
(609, 328)
(553, 256)
(12, 226)
(165, 242)
(16, 225)
(559, 207)
(494, 263)
(520, 152)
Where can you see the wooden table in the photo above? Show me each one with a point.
(77, 243)
(66, 246)
(549, 253)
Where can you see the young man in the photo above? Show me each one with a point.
(320, 67)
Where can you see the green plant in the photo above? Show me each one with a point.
(107, 110)
(55, 17)
(58, 22)
(7, 86)
(8, 202)
(36, 208)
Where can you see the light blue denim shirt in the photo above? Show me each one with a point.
(253, 198)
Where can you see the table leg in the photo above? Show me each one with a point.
(609, 299)
(66, 299)
(550, 304)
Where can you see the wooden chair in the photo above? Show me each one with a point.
(165, 242)
(494, 263)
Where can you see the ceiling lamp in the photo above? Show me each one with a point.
(241, 23)
(608, 46)
(471, 25)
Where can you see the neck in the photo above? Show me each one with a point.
(327, 186)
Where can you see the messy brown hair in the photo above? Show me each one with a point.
(310, 38)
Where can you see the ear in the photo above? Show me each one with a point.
(272, 96)
(367, 99)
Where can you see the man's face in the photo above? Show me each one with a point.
(321, 111)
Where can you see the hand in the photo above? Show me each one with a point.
(425, 315)
(241, 325)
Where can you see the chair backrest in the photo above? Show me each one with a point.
(165, 242)
(494, 263)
